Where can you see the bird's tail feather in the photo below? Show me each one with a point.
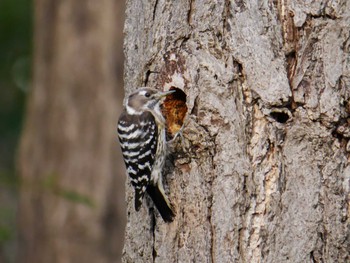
(138, 199)
(161, 202)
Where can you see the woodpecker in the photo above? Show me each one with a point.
(142, 137)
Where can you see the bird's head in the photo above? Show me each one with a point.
(145, 99)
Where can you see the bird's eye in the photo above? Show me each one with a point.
(147, 95)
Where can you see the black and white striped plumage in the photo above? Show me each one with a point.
(141, 131)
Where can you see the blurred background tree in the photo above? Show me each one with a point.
(71, 191)
(15, 67)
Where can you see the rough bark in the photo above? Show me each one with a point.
(263, 175)
(71, 198)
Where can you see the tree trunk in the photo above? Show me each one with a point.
(71, 196)
(263, 174)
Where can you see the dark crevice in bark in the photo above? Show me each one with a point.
(147, 74)
(280, 116)
(290, 36)
(195, 107)
(284, 112)
(238, 65)
(240, 249)
(205, 128)
(189, 13)
(291, 60)
(341, 129)
(211, 198)
(183, 41)
(206, 30)
(211, 226)
(155, 10)
(341, 132)
(323, 15)
(225, 14)
(289, 30)
(312, 257)
(153, 229)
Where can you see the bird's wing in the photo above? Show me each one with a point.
(138, 140)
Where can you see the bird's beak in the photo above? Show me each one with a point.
(165, 93)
